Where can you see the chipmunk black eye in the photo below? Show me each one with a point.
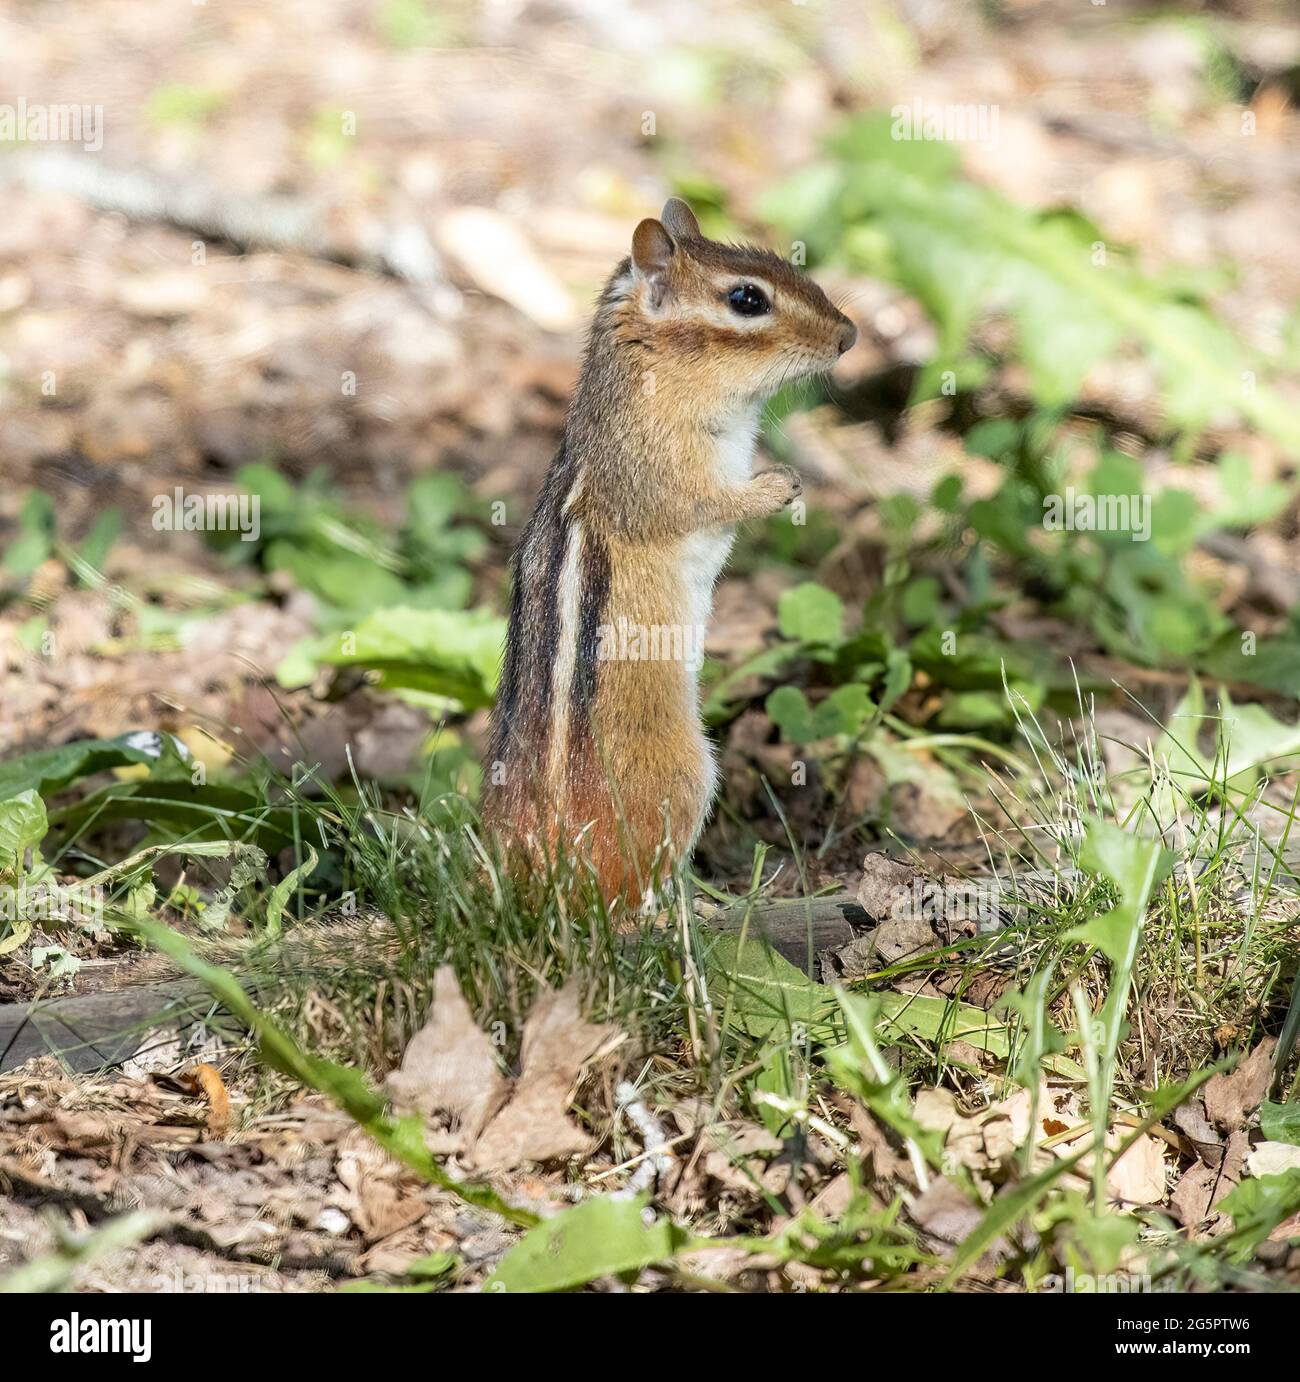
(748, 300)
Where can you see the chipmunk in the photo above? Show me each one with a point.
(596, 741)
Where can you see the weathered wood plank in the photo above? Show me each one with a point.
(92, 1030)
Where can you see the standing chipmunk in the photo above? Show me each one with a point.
(596, 742)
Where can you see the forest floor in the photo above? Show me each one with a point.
(340, 256)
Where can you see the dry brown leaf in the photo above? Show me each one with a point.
(1190, 1118)
(534, 1124)
(1138, 1177)
(450, 1070)
(935, 1109)
(1196, 1194)
(901, 938)
(494, 253)
(1230, 1099)
(450, 1067)
(945, 1214)
(989, 1138)
(884, 882)
(1006, 1127)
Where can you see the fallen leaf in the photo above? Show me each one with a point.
(945, 1214)
(901, 938)
(1138, 1177)
(376, 1192)
(1190, 1118)
(450, 1067)
(1272, 1158)
(1197, 1194)
(1231, 1098)
(493, 252)
(534, 1125)
(449, 1071)
(884, 885)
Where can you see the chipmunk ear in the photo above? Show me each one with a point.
(652, 253)
(679, 220)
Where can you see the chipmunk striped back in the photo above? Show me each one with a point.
(596, 741)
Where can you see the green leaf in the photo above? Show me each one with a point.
(280, 893)
(1257, 1206)
(1280, 1122)
(22, 827)
(209, 808)
(843, 713)
(1246, 738)
(603, 1237)
(343, 579)
(811, 614)
(966, 252)
(35, 540)
(48, 770)
(1273, 663)
(1244, 501)
(787, 707)
(453, 653)
(1134, 866)
(765, 993)
(1103, 1238)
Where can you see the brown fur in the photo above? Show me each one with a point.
(607, 755)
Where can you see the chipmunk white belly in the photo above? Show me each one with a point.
(704, 554)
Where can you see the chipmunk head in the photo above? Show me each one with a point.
(743, 320)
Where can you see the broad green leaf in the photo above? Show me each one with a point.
(788, 709)
(811, 614)
(1102, 1238)
(1257, 1206)
(1133, 864)
(48, 770)
(1075, 298)
(606, 1236)
(1245, 501)
(22, 827)
(842, 714)
(211, 808)
(765, 992)
(1280, 1122)
(1246, 738)
(453, 653)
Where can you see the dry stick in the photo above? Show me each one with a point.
(288, 225)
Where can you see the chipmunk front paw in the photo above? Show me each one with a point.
(774, 489)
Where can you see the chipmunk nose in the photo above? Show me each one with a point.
(848, 334)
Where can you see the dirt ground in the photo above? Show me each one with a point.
(362, 239)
